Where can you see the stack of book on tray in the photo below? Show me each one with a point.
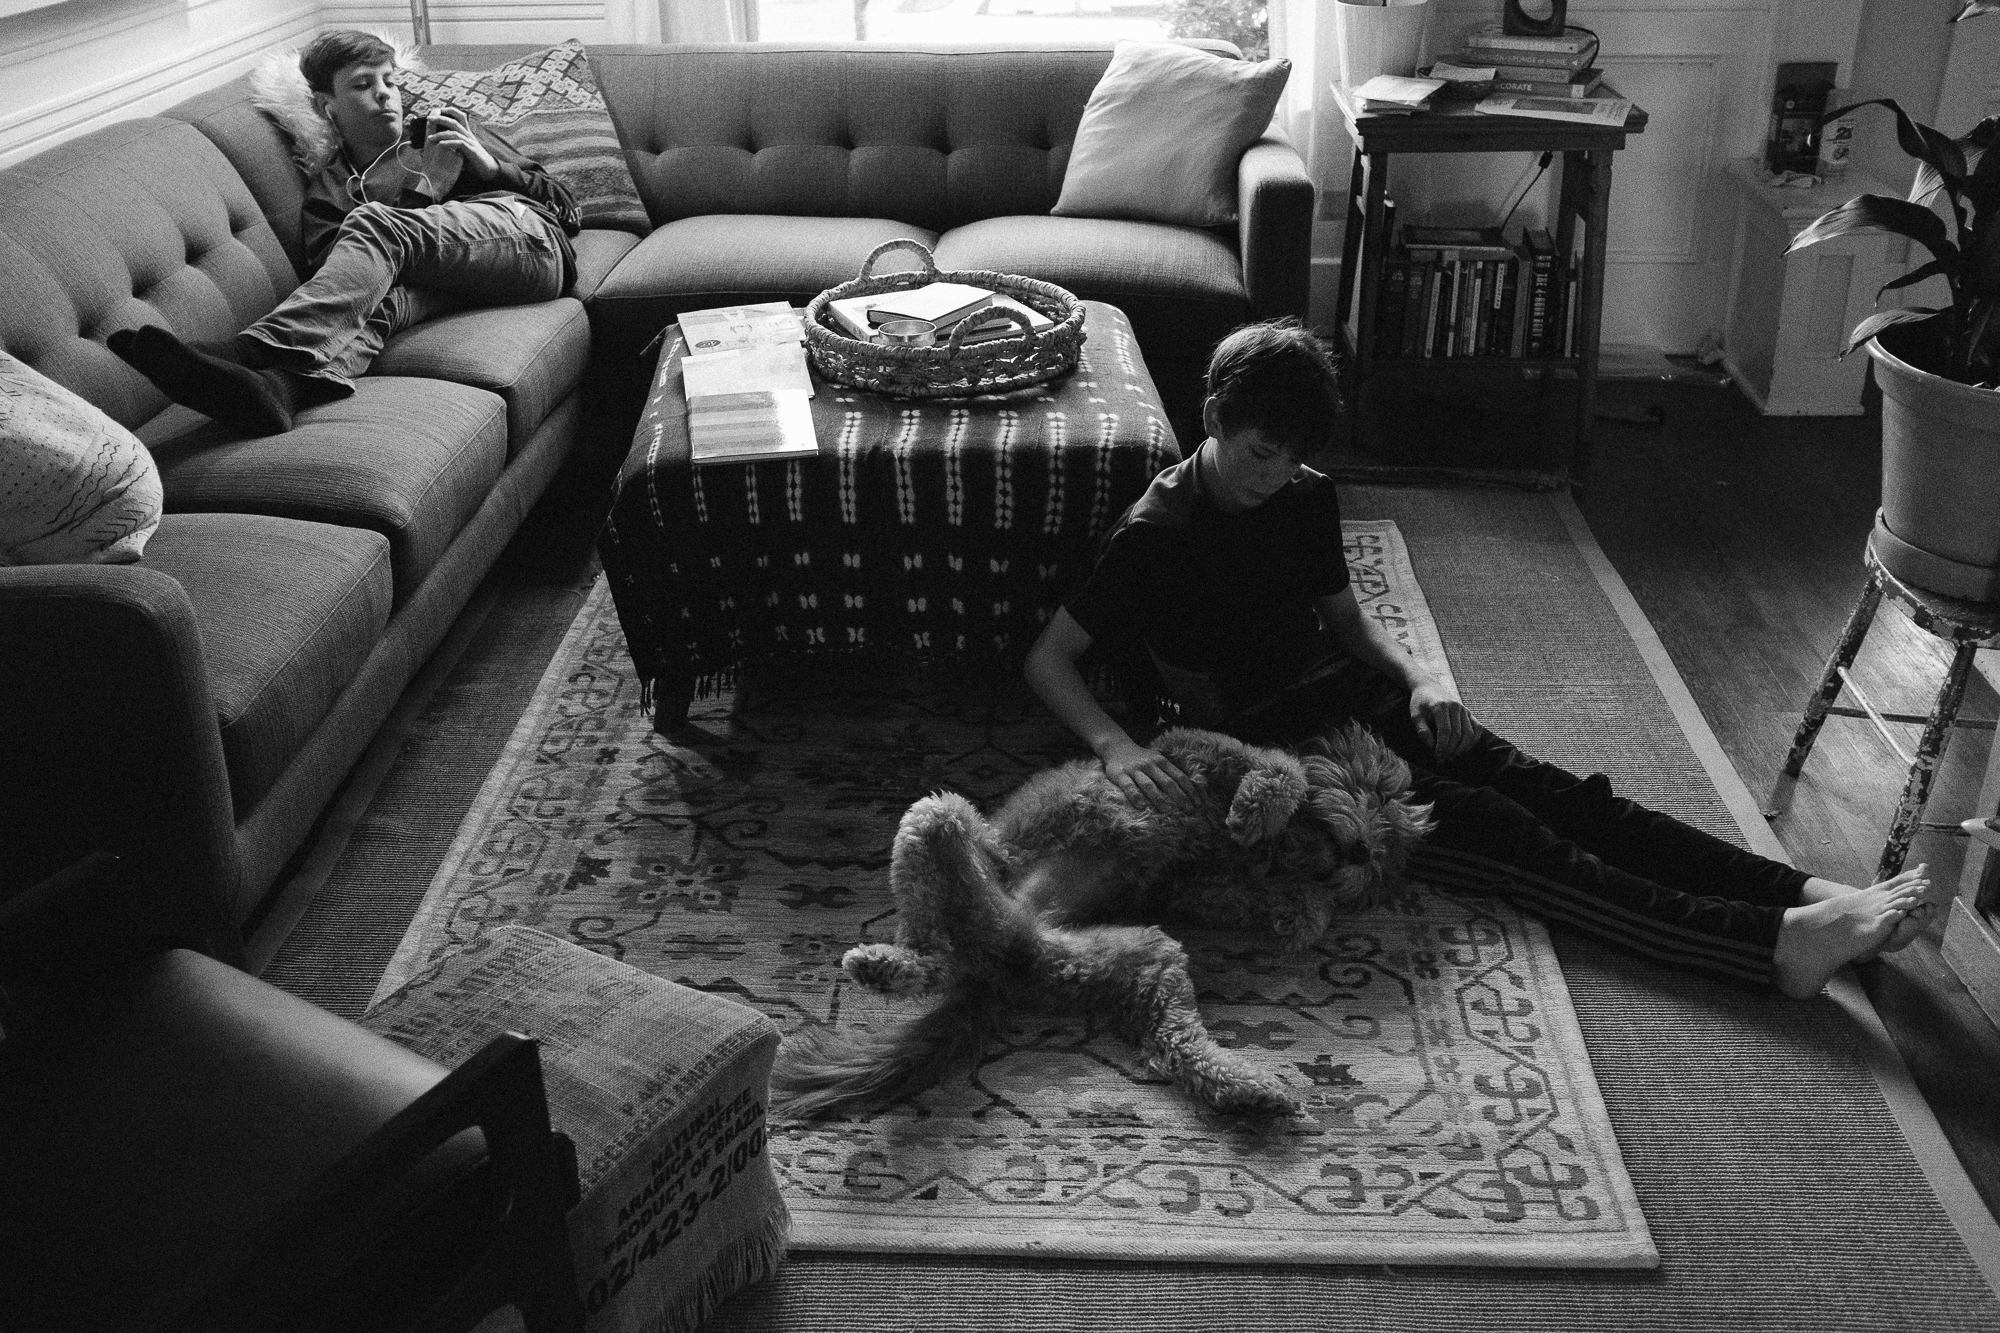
(1466, 292)
(747, 389)
(942, 305)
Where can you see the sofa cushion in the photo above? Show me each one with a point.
(597, 252)
(1181, 288)
(75, 486)
(143, 222)
(411, 459)
(736, 259)
(531, 355)
(287, 612)
(548, 106)
(1163, 133)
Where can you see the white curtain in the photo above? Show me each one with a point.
(707, 20)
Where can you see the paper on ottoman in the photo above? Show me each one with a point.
(662, 1089)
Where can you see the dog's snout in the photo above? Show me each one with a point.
(1360, 854)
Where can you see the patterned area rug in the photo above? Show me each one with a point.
(1452, 1113)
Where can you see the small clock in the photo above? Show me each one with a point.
(1533, 18)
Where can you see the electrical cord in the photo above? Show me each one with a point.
(1547, 157)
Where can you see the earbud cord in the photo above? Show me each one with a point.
(357, 181)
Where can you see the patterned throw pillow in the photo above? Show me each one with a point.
(75, 486)
(548, 106)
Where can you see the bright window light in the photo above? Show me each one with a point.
(967, 21)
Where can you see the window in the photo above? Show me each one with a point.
(972, 21)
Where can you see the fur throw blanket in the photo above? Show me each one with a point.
(278, 89)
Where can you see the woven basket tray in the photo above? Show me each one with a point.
(947, 370)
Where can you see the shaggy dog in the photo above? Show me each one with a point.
(1012, 911)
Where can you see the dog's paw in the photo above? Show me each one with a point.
(1238, 1092)
(893, 970)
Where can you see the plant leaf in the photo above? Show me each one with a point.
(1881, 320)
(1934, 269)
(1982, 183)
(1918, 140)
(1876, 212)
(1974, 8)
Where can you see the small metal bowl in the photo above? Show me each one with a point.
(907, 332)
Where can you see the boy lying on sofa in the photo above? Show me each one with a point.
(401, 224)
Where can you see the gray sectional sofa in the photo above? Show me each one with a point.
(199, 710)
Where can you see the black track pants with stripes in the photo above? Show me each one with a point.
(1588, 857)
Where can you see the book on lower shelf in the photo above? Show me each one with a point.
(1459, 293)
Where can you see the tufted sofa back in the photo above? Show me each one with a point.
(934, 136)
(142, 222)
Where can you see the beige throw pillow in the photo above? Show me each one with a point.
(1162, 134)
(75, 486)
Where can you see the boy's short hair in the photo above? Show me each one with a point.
(1278, 379)
(331, 52)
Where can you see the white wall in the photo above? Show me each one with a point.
(72, 67)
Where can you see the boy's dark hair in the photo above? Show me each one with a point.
(331, 52)
(1278, 379)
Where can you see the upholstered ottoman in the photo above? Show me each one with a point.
(940, 528)
(661, 1088)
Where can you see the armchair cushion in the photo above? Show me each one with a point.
(1163, 131)
(77, 486)
(184, 1102)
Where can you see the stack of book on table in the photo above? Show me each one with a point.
(1462, 292)
(1394, 95)
(1542, 78)
(942, 305)
(1496, 61)
(747, 389)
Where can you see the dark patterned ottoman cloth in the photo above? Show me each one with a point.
(940, 528)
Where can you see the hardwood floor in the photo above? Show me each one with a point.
(1741, 538)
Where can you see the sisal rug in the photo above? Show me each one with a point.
(1451, 1112)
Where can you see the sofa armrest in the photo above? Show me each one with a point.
(110, 744)
(1275, 201)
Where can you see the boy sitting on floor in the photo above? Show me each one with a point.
(394, 235)
(1228, 577)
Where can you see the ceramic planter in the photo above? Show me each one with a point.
(1939, 525)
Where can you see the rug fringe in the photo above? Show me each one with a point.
(756, 1256)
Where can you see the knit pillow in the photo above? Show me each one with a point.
(1163, 132)
(548, 106)
(75, 486)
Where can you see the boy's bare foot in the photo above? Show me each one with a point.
(1819, 936)
(1912, 924)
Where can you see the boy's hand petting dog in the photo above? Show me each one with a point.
(1441, 719)
(1148, 776)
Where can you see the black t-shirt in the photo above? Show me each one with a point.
(1221, 603)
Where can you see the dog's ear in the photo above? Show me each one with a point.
(1266, 798)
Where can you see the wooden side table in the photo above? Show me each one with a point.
(1585, 197)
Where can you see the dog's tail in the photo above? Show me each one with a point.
(820, 1071)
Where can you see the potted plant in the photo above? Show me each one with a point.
(1938, 366)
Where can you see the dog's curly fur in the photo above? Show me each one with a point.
(1054, 899)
